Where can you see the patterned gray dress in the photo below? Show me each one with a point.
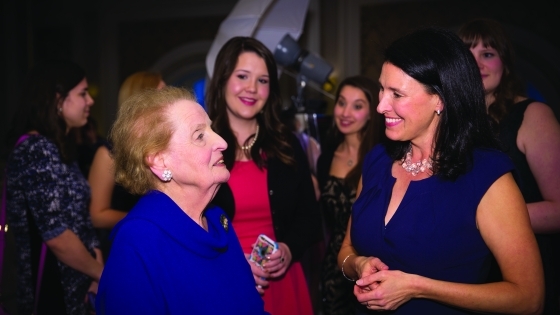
(46, 196)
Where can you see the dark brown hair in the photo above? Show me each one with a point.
(372, 132)
(273, 134)
(492, 34)
(45, 88)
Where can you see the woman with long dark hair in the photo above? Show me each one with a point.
(356, 128)
(47, 195)
(270, 190)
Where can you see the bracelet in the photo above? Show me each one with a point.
(342, 268)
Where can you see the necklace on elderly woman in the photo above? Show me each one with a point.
(415, 167)
(250, 145)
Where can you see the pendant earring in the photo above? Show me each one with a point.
(167, 176)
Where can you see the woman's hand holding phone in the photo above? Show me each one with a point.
(279, 261)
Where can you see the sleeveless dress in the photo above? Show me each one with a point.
(289, 294)
(549, 244)
(336, 202)
(433, 233)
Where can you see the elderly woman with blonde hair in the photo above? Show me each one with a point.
(165, 149)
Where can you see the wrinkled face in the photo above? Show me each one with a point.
(408, 109)
(194, 153)
(351, 111)
(75, 107)
(490, 65)
(247, 88)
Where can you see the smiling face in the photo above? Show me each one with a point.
(408, 109)
(75, 107)
(490, 65)
(351, 111)
(194, 153)
(247, 89)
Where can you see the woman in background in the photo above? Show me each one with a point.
(530, 135)
(357, 128)
(109, 202)
(47, 195)
(270, 190)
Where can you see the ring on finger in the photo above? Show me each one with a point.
(367, 303)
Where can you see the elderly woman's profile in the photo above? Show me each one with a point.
(173, 252)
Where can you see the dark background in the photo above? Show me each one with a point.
(112, 39)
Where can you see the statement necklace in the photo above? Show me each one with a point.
(250, 145)
(415, 167)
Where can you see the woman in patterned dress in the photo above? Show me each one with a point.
(47, 195)
(357, 128)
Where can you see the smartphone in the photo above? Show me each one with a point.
(264, 246)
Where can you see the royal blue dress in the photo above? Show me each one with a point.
(433, 233)
(162, 262)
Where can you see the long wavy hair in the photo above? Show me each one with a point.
(491, 34)
(439, 60)
(273, 138)
(370, 134)
(45, 88)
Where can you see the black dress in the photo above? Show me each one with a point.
(336, 202)
(549, 244)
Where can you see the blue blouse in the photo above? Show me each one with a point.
(433, 233)
(162, 262)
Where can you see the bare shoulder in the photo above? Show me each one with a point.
(538, 110)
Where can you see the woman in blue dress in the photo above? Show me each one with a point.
(439, 199)
(173, 253)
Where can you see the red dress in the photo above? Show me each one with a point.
(286, 295)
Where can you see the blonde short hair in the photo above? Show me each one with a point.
(142, 128)
(137, 82)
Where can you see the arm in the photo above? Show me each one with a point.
(352, 265)
(68, 248)
(505, 227)
(539, 139)
(102, 181)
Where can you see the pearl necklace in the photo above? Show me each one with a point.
(415, 167)
(250, 145)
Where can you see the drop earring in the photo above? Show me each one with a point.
(167, 176)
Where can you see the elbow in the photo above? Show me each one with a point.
(535, 303)
(96, 220)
